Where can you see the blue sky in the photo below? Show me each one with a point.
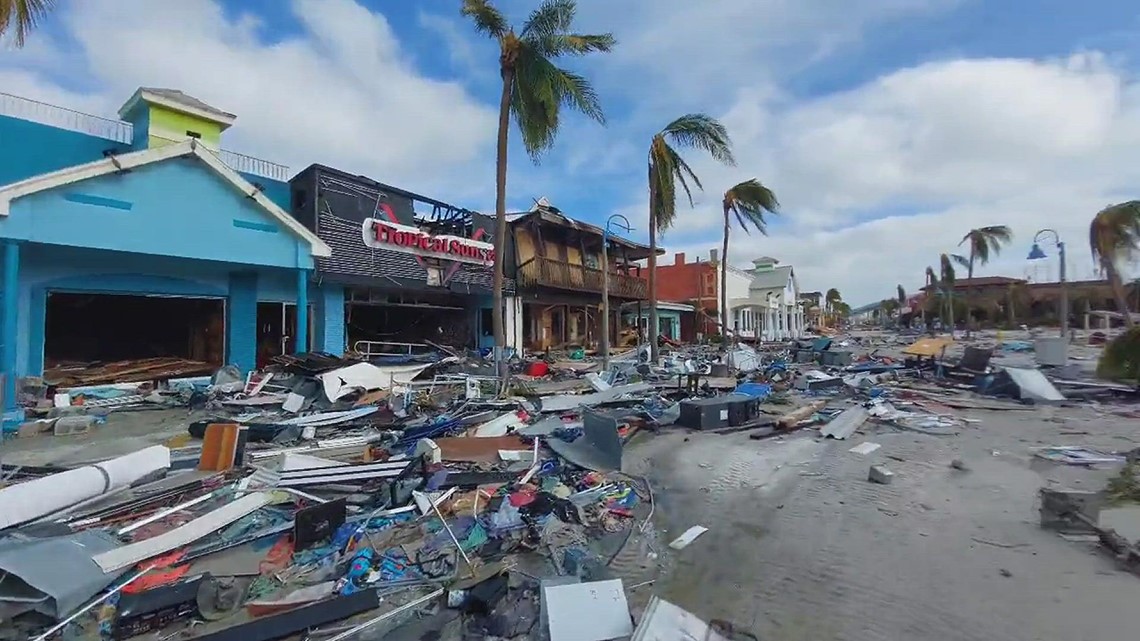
(887, 128)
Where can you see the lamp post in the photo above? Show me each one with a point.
(1036, 253)
(622, 225)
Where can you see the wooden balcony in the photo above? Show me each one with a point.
(544, 272)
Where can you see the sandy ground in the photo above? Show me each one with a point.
(802, 547)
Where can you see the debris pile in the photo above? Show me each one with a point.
(340, 497)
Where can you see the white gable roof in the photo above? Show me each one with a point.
(185, 149)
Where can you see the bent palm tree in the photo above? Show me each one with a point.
(534, 92)
(1114, 236)
(666, 170)
(985, 242)
(900, 296)
(749, 201)
(19, 17)
(929, 290)
(947, 277)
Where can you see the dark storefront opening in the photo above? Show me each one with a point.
(377, 318)
(89, 328)
(277, 330)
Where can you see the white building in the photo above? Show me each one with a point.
(770, 311)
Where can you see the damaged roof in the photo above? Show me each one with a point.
(551, 216)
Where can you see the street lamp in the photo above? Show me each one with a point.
(622, 225)
(1036, 253)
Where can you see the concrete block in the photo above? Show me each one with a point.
(880, 474)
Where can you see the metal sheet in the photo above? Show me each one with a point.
(599, 448)
(573, 401)
(846, 424)
(54, 576)
(1034, 385)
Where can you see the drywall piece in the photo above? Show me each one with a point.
(595, 611)
(32, 499)
(367, 377)
(688, 537)
(208, 523)
(500, 426)
(664, 621)
(865, 447)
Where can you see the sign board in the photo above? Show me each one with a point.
(383, 234)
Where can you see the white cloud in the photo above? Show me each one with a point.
(875, 180)
(341, 92)
(965, 143)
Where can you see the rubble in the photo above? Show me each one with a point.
(334, 495)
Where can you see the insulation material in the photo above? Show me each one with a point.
(200, 527)
(32, 499)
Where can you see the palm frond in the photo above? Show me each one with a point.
(19, 17)
(961, 260)
(573, 44)
(931, 276)
(540, 90)
(749, 201)
(552, 17)
(486, 17)
(901, 294)
(985, 242)
(1114, 234)
(946, 262)
(700, 131)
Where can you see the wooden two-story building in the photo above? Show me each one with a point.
(558, 278)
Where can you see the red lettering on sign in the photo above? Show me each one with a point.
(388, 234)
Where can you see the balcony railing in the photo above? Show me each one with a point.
(120, 132)
(545, 272)
(53, 116)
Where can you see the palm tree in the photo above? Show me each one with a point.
(947, 278)
(985, 242)
(666, 170)
(749, 201)
(1114, 236)
(534, 92)
(931, 289)
(20, 16)
(832, 300)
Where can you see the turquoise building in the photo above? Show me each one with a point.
(139, 237)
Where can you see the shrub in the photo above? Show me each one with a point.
(1121, 358)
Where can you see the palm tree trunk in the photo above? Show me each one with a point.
(970, 294)
(654, 353)
(950, 307)
(1118, 292)
(501, 223)
(724, 325)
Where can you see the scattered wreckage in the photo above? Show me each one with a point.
(337, 498)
